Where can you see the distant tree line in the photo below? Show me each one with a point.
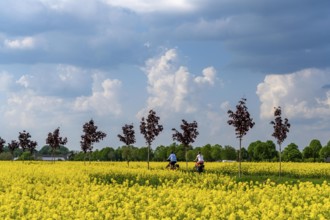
(266, 151)
(257, 151)
(45, 151)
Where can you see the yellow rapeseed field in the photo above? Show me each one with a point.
(112, 190)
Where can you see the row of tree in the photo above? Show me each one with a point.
(24, 142)
(150, 128)
(256, 152)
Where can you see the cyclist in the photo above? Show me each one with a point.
(199, 159)
(172, 160)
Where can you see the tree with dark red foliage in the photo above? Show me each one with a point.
(12, 146)
(242, 122)
(188, 135)
(90, 136)
(54, 140)
(150, 128)
(2, 144)
(26, 143)
(128, 138)
(281, 128)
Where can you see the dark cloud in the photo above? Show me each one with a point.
(267, 36)
(263, 36)
(98, 37)
(326, 86)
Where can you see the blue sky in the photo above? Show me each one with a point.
(64, 62)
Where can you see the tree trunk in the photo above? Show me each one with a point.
(53, 156)
(239, 158)
(148, 155)
(280, 162)
(12, 156)
(23, 159)
(185, 148)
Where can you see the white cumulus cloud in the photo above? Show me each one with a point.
(168, 85)
(23, 43)
(26, 109)
(171, 87)
(208, 77)
(104, 98)
(152, 6)
(25, 80)
(303, 94)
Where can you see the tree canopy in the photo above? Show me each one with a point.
(91, 135)
(187, 136)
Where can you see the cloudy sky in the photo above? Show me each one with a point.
(65, 62)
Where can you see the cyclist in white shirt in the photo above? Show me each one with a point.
(199, 158)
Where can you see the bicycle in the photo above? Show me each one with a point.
(171, 166)
(199, 167)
